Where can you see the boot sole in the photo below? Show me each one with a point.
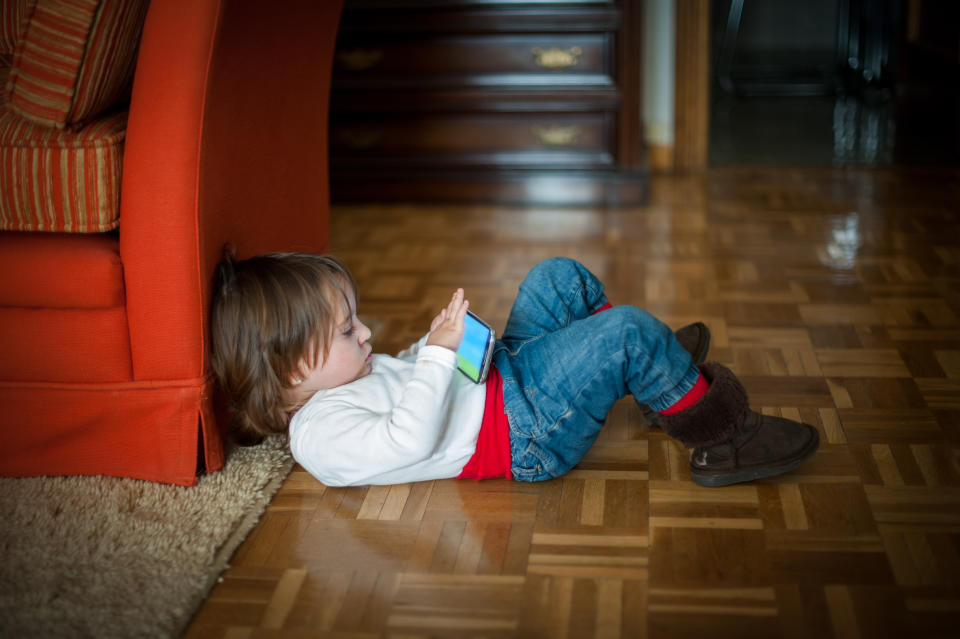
(716, 480)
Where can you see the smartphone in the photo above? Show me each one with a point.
(476, 349)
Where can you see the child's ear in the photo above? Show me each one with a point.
(303, 371)
(296, 378)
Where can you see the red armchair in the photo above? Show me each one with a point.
(103, 361)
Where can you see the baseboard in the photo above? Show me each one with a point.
(555, 188)
(660, 158)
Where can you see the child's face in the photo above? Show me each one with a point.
(348, 359)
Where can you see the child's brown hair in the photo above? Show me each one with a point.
(267, 314)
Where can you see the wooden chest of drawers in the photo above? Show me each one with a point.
(488, 100)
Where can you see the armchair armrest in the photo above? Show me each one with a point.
(227, 141)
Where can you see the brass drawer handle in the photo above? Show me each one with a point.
(359, 59)
(557, 135)
(556, 58)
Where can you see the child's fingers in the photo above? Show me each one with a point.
(453, 306)
(447, 330)
(462, 311)
(438, 320)
(455, 302)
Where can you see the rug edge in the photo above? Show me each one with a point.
(221, 560)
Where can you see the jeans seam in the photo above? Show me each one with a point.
(579, 392)
(529, 472)
(514, 353)
(578, 292)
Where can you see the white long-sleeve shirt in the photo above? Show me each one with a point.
(413, 418)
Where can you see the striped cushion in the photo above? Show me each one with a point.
(61, 180)
(13, 20)
(75, 59)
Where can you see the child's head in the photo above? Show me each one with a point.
(283, 325)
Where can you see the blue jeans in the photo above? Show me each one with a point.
(564, 368)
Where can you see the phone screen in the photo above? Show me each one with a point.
(473, 356)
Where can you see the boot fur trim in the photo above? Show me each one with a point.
(716, 417)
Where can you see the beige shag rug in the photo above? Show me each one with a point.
(108, 557)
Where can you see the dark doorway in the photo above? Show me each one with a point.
(835, 82)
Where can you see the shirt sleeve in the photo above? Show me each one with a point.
(414, 348)
(347, 442)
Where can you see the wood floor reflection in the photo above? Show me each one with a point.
(834, 295)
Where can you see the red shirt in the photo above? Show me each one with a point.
(492, 457)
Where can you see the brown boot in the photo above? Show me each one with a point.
(695, 339)
(731, 443)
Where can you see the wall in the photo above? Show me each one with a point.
(659, 36)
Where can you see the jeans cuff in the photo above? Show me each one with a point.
(676, 393)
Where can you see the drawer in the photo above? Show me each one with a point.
(474, 59)
(510, 139)
(512, 100)
(479, 16)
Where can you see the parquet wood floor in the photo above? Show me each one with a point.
(835, 295)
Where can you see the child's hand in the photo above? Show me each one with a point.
(446, 329)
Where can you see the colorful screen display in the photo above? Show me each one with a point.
(472, 349)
